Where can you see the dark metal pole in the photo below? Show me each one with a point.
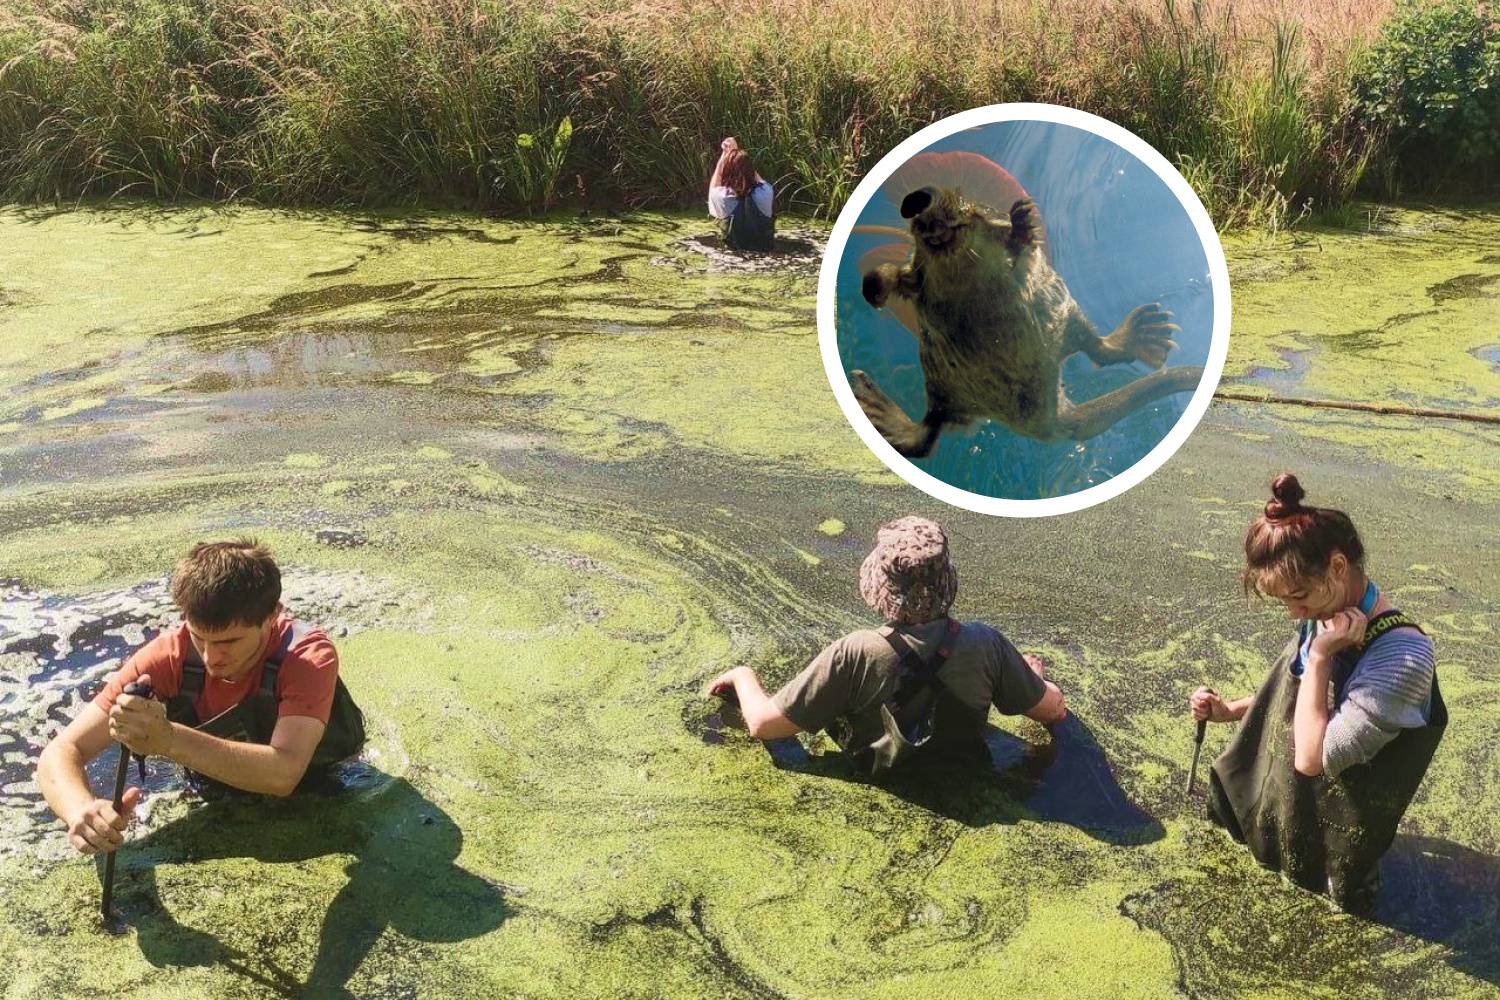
(1197, 749)
(122, 773)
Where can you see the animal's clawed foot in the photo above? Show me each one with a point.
(1025, 221)
(1145, 335)
(909, 438)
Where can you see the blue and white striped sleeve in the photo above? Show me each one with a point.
(1391, 690)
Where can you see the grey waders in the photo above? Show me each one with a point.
(746, 228)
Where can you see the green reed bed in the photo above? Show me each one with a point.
(515, 107)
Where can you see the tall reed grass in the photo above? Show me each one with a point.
(516, 106)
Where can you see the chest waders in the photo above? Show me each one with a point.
(253, 718)
(893, 733)
(746, 228)
(1326, 834)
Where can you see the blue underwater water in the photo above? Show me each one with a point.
(1119, 238)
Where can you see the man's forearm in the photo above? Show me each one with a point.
(65, 784)
(763, 719)
(253, 767)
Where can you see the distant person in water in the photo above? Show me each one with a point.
(921, 686)
(1317, 792)
(742, 200)
(243, 696)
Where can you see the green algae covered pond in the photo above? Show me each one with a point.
(542, 481)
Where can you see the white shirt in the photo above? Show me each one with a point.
(722, 201)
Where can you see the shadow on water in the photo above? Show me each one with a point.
(1441, 892)
(1236, 929)
(1066, 779)
(402, 878)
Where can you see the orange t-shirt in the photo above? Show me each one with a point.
(304, 684)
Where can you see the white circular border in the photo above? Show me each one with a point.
(1218, 272)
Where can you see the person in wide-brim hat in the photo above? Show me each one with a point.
(921, 683)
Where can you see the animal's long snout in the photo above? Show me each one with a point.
(917, 202)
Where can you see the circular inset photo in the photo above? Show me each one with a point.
(1024, 310)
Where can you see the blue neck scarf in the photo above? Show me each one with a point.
(1309, 629)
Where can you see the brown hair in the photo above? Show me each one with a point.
(738, 174)
(221, 584)
(1291, 542)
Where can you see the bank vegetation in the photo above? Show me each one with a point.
(1271, 110)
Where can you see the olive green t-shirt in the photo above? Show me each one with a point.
(853, 676)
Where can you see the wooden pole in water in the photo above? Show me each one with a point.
(1389, 409)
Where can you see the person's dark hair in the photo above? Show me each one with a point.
(1291, 542)
(221, 584)
(738, 174)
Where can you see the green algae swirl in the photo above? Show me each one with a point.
(571, 535)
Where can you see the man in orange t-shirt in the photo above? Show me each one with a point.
(242, 695)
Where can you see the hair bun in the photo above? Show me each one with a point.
(1286, 497)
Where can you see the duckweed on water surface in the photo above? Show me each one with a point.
(1402, 313)
(588, 325)
(549, 807)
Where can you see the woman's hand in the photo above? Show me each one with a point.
(728, 144)
(1345, 629)
(1205, 704)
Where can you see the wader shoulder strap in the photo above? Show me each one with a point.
(1376, 627)
(1383, 623)
(182, 707)
(919, 673)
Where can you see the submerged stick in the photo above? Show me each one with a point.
(1389, 409)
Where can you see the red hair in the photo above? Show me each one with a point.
(738, 174)
(1290, 542)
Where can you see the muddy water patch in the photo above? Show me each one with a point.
(56, 651)
(798, 250)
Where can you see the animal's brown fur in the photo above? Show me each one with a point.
(995, 323)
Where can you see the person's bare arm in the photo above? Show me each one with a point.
(272, 769)
(93, 824)
(725, 148)
(1310, 718)
(1051, 708)
(763, 719)
(1205, 704)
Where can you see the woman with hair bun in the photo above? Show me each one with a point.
(1331, 749)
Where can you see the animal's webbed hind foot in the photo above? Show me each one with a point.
(1144, 335)
(1086, 420)
(1025, 223)
(910, 439)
